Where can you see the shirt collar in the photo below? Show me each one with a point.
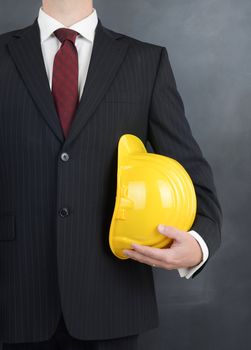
(86, 27)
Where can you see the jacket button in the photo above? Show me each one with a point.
(65, 157)
(63, 212)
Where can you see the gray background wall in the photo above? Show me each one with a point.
(209, 44)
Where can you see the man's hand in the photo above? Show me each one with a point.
(185, 251)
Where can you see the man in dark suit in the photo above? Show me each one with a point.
(69, 88)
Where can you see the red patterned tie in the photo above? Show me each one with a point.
(65, 78)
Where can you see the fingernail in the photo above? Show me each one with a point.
(161, 228)
(126, 252)
(134, 245)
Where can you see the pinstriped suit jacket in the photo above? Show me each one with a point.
(48, 263)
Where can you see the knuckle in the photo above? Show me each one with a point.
(167, 260)
(153, 256)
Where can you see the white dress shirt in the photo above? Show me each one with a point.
(84, 44)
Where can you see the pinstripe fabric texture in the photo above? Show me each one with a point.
(51, 264)
(62, 340)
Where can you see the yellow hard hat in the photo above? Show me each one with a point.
(152, 189)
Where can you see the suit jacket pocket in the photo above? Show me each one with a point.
(7, 227)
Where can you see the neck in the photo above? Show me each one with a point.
(68, 12)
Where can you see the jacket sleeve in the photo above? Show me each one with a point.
(169, 134)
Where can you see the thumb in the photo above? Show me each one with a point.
(171, 232)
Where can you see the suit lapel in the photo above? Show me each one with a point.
(107, 55)
(25, 49)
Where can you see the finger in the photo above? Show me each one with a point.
(150, 252)
(146, 260)
(163, 256)
(171, 232)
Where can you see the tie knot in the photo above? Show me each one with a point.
(66, 34)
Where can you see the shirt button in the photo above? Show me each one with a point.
(65, 157)
(63, 212)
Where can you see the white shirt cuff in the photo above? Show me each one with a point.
(189, 271)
